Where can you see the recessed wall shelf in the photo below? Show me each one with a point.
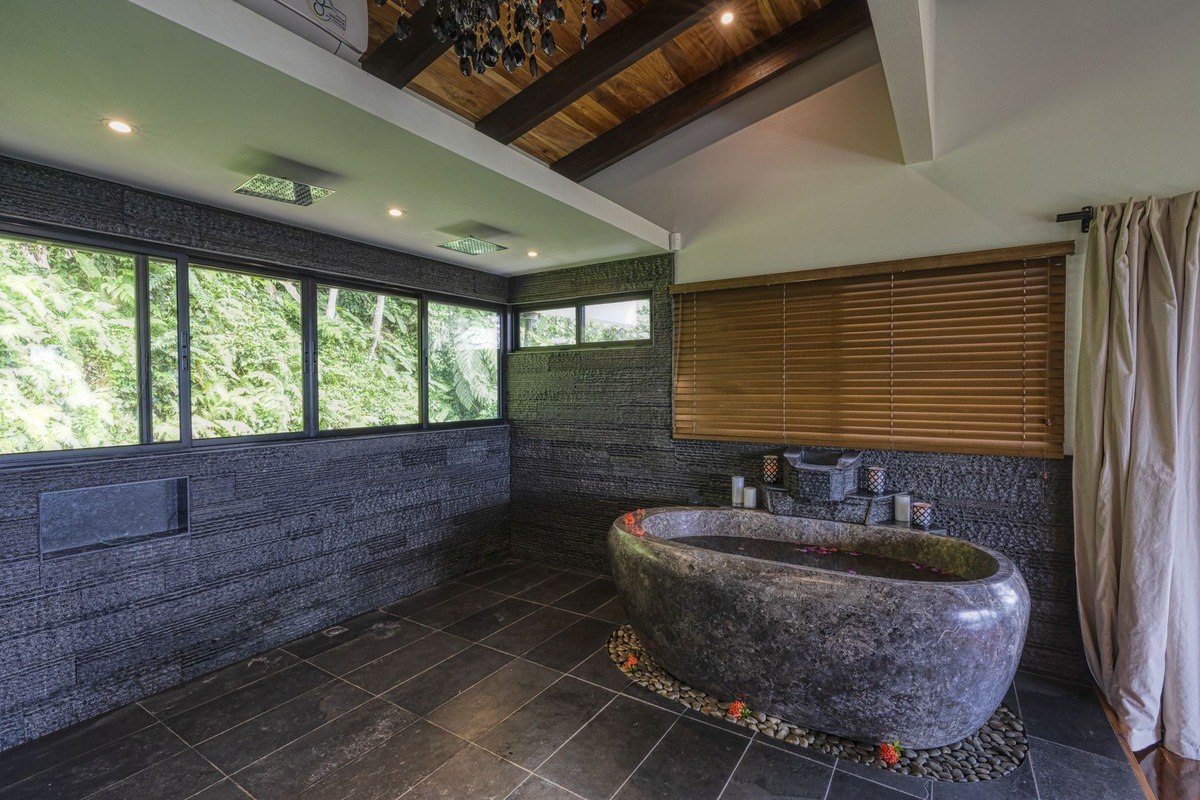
(79, 520)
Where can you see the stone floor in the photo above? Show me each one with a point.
(497, 685)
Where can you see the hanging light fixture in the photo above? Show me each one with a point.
(485, 33)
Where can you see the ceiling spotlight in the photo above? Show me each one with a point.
(533, 254)
(117, 126)
(395, 212)
(727, 18)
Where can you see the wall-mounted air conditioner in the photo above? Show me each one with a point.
(340, 26)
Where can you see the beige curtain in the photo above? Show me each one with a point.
(1137, 468)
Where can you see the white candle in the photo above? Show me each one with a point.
(739, 485)
(750, 497)
(903, 508)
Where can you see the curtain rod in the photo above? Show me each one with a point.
(1085, 216)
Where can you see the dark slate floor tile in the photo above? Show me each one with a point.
(588, 597)
(720, 722)
(599, 668)
(263, 734)
(845, 786)
(1064, 773)
(1016, 785)
(612, 611)
(526, 634)
(398, 666)
(333, 636)
(489, 574)
(484, 623)
(1067, 714)
(428, 598)
(905, 784)
(522, 579)
(382, 636)
(476, 710)
(473, 774)
(390, 769)
(447, 680)
(692, 762)
(567, 648)
(540, 789)
(232, 709)
(215, 684)
(313, 757)
(178, 777)
(768, 773)
(552, 589)
(102, 767)
(49, 751)
(457, 608)
(598, 759)
(532, 733)
(639, 692)
(225, 790)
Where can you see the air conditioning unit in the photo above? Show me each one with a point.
(339, 26)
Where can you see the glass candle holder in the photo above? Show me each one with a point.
(770, 469)
(922, 515)
(876, 480)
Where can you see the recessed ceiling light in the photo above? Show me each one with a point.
(118, 126)
(533, 254)
(727, 18)
(395, 212)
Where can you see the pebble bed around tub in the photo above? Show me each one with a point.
(993, 751)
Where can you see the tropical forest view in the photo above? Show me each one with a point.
(618, 321)
(68, 353)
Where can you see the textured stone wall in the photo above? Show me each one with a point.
(591, 438)
(285, 538)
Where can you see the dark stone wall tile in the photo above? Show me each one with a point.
(591, 439)
(284, 539)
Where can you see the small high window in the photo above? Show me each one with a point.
(596, 322)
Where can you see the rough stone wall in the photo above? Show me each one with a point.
(285, 538)
(591, 438)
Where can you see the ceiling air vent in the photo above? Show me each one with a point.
(269, 187)
(472, 246)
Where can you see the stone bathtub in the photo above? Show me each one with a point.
(925, 657)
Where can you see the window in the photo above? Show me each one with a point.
(549, 327)
(246, 354)
(596, 322)
(622, 321)
(963, 357)
(464, 363)
(141, 349)
(68, 348)
(368, 359)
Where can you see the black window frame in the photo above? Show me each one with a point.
(144, 251)
(578, 303)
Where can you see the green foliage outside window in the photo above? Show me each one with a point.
(368, 348)
(464, 364)
(547, 328)
(68, 374)
(622, 321)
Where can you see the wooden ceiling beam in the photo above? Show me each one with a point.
(812, 35)
(398, 62)
(634, 37)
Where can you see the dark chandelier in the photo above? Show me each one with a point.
(490, 32)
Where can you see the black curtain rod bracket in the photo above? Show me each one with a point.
(1085, 216)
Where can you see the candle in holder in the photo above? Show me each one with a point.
(903, 506)
(876, 480)
(750, 497)
(922, 515)
(770, 472)
(739, 485)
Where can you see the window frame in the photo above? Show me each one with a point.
(578, 303)
(184, 257)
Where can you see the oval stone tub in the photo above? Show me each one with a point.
(923, 654)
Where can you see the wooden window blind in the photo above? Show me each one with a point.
(956, 359)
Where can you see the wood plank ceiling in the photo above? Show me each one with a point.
(673, 62)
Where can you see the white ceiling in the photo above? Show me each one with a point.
(254, 97)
